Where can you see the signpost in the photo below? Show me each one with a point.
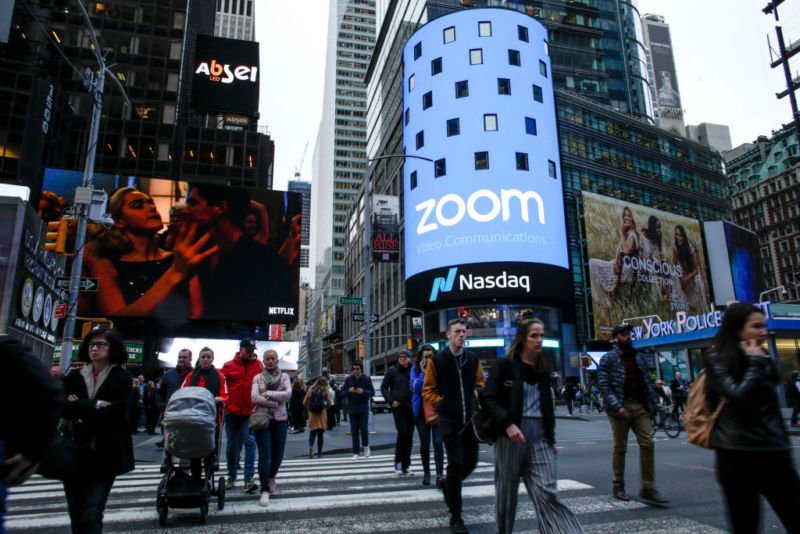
(361, 317)
(357, 301)
(86, 284)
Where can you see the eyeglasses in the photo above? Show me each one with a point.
(356, 369)
(98, 344)
(404, 356)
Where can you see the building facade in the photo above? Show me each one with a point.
(304, 188)
(235, 19)
(716, 136)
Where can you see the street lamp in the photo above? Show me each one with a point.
(780, 288)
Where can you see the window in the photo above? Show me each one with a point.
(546, 48)
(410, 83)
(413, 179)
(503, 86)
(522, 161)
(543, 68)
(485, 29)
(407, 116)
(475, 56)
(522, 33)
(530, 126)
(436, 66)
(537, 93)
(439, 167)
(481, 161)
(420, 139)
(453, 127)
(417, 50)
(449, 34)
(427, 100)
(551, 168)
(513, 57)
(490, 122)
(462, 89)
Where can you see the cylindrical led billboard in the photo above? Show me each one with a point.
(484, 209)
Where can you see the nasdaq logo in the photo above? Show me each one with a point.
(443, 284)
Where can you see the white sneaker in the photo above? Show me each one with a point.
(355, 457)
(366, 451)
(409, 473)
(264, 499)
(398, 469)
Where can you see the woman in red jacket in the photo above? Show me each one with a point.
(205, 375)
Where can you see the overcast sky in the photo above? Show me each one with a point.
(720, 48)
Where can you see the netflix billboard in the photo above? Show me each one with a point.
(226, 76)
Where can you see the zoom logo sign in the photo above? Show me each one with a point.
(470, 282)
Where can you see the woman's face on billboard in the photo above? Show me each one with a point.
(627, 217)
(138, 214)
(678, 236)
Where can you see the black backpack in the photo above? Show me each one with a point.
(317, 402)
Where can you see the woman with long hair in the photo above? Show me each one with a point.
(519, 398)
(427, 433)
(749, 436)
(317, 420)
(270, 392)
(688, 288)
(98, 404)
(137, 277)
(608, 275)
(205, 375)
(296, 406)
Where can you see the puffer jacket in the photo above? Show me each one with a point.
(239, 374)
(611, 381)
(275, 401)
(751, 420)
(396, 385)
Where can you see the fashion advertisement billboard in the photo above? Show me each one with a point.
(483, 198)
(224, 254)
(643, 262)
(226, 75)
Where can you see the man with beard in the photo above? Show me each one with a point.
(630, 399)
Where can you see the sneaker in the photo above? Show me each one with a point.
(408, 473)
(272, 485)
(250, 486)
(310, 452)
(355, 457)
(366, 451)
(650, 494)
(457, 525)
(398, 469)
(230, 483)
(264, 499)
(319, 455)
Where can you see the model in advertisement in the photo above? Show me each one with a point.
(688, 289)
(653, 248)
(136, 277)
(608, 275)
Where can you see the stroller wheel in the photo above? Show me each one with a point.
(221, 493)
(161, 507)
(203, 513)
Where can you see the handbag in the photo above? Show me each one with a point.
(485, 428)
(61, 461)
(698, 418)
(259, 420)
(431, 417)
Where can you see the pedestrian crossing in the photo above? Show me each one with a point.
(329, 494)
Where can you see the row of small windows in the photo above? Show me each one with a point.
(476, 58)
(484, 30)
(462, 90)
(489, 125)
(482, 163)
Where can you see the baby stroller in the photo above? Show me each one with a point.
(192, 429)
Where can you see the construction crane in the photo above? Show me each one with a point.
(300, 165)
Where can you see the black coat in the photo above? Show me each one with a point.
(751, 420)
(104, 435)
(504, 394)
(396, 385)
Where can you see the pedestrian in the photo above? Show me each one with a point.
(519, 398)
(329, 409)
(594, 401)
(136, 406)
(396, 389)
(151, 407)
(427, 433)
(630, 400)
(359, 389)
(270, 392)
(32, 401)
(449, 387)
(239, 373)
(679, 393)
(169, 384)
(337, 402)
(794, 395)
(98, 403)
(296, 406)
(752, 447)
(317, 399)
(569, 394)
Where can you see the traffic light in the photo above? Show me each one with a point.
(361, 348)
(586, 361)
(56, 238)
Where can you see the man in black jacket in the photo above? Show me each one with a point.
(449, 387)
(396, 389)
(172, 382)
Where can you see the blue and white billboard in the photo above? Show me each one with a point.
(487, 200)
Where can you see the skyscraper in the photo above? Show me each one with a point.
(304, 188)
(235, 19)
(662, 73)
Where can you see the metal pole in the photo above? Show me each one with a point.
(96, 89)
(367, 276)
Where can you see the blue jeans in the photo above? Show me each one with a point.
(237, 431)
(271, 443)
(426, 432)
(358, 423)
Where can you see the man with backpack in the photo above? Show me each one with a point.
(396, 389)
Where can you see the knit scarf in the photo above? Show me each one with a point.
(271, 379)
(210, 379)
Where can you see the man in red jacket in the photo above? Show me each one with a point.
(239, 373)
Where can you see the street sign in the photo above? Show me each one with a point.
(59, 311)
(358, 301)
(86, 284)
(361, 317)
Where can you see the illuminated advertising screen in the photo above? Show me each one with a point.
(226, 75)
(643, 262)
(734, 262)
(179, 252)
(385, 229)
(483, 198)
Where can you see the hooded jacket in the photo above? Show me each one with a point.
(239, 374)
